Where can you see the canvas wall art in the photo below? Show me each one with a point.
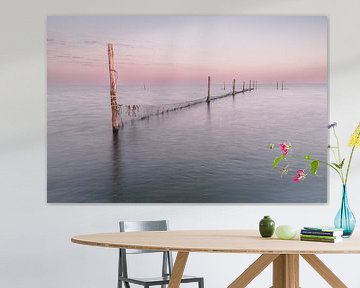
(181, 109)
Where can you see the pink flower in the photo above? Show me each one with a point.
(285, 148)
(300, 175)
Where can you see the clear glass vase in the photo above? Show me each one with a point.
(345, 219)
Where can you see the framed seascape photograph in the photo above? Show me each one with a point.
(182, 109)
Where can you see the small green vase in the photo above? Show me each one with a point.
(267, 227)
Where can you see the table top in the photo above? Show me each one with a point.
(216, 241)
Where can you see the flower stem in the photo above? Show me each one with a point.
(337, 170)
(333, 152)
(338, 149)
(348, 167)
(351, 155)
(322, 162)
(338, 145)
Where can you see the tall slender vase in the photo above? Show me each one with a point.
(345, 219)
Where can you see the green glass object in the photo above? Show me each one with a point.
(286, 232)
(266, 227)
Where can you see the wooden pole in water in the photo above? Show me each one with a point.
(233, 87)
(256, 85)
(208, 97)
(250, 85)
(224, 85)
(282, 85)
(243, 87)
(113, 90)
(277, 85)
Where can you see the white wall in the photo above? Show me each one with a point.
(35, 248)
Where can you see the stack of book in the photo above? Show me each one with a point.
(321, 234)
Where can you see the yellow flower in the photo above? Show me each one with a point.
(355, 138)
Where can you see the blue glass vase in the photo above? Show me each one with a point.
(345, 219)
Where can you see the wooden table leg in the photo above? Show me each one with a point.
(324, 271)
(286, 271)
(253, 270)
(293, 264)
(178, 269)
(279, 269)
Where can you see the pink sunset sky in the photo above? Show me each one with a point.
(186, 49)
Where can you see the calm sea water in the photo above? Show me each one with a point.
(204, 154)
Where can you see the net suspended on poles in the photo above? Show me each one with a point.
(139, 112)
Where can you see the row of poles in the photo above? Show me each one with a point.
(252, 86)
(277, 85)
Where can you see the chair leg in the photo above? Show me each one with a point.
(201, 283)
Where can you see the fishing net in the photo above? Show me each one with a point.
(139, 112)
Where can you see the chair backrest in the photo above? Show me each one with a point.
(137, 226)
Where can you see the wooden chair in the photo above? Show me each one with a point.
(167, 263)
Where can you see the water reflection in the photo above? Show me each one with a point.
(116, 168)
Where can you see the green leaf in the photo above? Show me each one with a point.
(339, 166)
(307, 157)
(336, 165)
(314, 166)
(342, 163)
(271, 146)
(277, 161)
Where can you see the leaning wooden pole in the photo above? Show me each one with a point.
(243, 87)
(208, 96)
(113, 90)
(233, 87)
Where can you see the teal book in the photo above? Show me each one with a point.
(323, 228)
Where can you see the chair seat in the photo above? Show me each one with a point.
(158, 280)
